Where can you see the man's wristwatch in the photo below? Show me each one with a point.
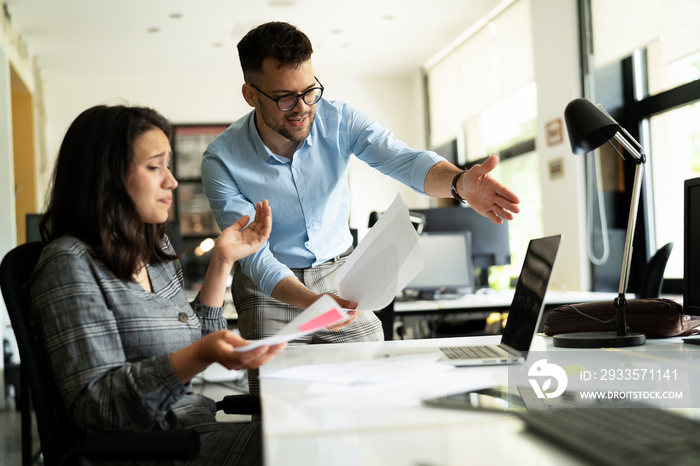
(453, 190)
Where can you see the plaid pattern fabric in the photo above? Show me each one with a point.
(108, 343)
(261, 316)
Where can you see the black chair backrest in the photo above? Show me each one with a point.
(55, 433)
(653, 278)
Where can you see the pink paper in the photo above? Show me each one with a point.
(322, 321)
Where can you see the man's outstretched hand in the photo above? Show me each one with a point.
(487, 195)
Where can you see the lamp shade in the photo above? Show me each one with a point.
(588, 126)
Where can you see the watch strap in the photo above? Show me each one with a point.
(453, 189)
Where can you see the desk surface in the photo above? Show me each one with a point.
(301, 429)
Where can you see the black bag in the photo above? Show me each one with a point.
(655, 317)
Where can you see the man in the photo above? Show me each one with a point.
(294, 150)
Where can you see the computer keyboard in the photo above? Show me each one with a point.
(635, 434)
(470, 352)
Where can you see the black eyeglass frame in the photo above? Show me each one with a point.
(296, 96)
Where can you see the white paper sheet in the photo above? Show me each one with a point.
(364, 372)
(384, 262)
(387, 383)
(402, 393)
(323, 313)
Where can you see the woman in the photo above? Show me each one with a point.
(120, 335)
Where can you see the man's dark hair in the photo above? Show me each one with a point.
(280, 41)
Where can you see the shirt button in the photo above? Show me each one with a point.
(303, 198)
(182, 317)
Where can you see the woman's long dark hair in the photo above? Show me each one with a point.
(88, 197)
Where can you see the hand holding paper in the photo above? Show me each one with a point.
(323, 313)
(385, 261)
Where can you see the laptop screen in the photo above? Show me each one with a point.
(528, 300)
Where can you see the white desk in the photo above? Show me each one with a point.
(298, 433)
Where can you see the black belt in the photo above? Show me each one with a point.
(345, 254)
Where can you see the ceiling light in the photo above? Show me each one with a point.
(176, 15)
(153, 30)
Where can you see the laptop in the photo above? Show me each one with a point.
(523, 317)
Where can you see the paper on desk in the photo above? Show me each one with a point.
(323, 313)
(388, 382)
(399, 393)
(374, 371)
(384, 262)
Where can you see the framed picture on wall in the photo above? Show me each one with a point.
(195, 216)
(189, 143)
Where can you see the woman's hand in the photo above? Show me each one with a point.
(235, 242)
(219, 347)
(239, 241)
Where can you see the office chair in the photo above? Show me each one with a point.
(57, 435)
(653, 278)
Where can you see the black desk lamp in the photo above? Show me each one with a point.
(589, 127)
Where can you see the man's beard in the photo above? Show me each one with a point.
(295, 136)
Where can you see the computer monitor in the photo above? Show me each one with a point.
(32, 227)
(447, 266)
(691, 247)
(490, 242)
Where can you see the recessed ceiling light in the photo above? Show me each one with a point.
(281, 3)
(217, 44)
(153, 30)
(389, 17)
(176, 15)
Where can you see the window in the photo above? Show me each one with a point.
(655, 45)
(482, 93)
(675, 149)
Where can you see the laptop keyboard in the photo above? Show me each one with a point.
(471, 352)
(636, 434)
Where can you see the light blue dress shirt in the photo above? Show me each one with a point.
(308, 193)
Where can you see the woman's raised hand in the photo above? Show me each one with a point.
(238, 241)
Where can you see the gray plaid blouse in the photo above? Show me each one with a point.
(108, 341)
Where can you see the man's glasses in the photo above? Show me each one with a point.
(289, 101)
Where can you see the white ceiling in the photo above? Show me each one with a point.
(361, 37)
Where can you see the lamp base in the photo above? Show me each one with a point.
(598, 340)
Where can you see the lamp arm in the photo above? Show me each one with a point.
(627, 144)
(620, 301)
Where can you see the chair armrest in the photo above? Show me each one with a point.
(240, 404)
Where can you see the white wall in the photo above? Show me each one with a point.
(557, 74)
(394, 101)
(8, 229)
(8, 232)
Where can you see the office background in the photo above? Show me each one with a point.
(467, 61)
